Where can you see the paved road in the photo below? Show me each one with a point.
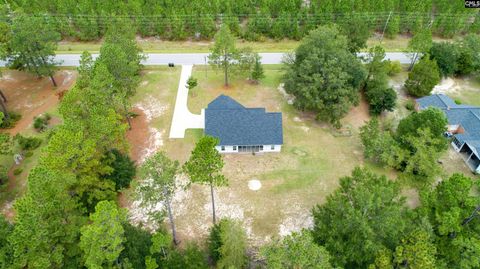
(182, 117)
(200, 58)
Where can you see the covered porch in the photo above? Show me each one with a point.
(470, 156)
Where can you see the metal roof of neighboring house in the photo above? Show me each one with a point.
(235, 124)
(466, 116)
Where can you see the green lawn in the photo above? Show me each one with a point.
(312, 160)
(302, 175)
(152, 45)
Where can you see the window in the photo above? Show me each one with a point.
(272, 147)
(261, 148)
(223, 148)
(234, 147)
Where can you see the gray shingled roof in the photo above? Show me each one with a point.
(465, 115)
(234, 124)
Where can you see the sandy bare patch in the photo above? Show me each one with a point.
(152, 107)
(155, 141)
(295, 223)
(446, 86)
(140, 213)
(290, 98)
(305, 129)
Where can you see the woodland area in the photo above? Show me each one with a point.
(250, 19)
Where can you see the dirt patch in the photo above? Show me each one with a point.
(358, 115)
(446, 86)
(138, 136)
(31, 96)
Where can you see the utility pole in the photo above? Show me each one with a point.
(385, 27)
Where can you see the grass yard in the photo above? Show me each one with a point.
(312, 159)
(155, 45)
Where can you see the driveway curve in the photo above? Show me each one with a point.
(182, 117)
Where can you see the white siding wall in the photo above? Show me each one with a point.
(266, 148)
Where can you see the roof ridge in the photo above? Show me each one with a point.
(476, 116)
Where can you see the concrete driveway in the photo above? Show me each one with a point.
(182, 118)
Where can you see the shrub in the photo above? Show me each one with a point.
(40, 123)
(3, 174)
(410, 105)
(28, 143)
(124, 169)
(17, 171)
(394, 67)
(458, 102)
(11, 120)
(423, 78)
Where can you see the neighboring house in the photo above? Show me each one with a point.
(242, 129)
(463, 124)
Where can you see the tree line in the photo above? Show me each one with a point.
(251, 20)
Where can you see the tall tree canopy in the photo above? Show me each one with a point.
(324, 76)
(365, 215)
(205, 166)
(297, 250)
(159, 173)
(102, 239)
(32, 45)
(224, 53)
(379, 95)
(47, 223)
(424, 76)
(452, 208)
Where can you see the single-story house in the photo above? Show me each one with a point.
(242, 129)
(463, 124)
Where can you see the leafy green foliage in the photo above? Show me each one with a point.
(137, 245)
(191, 257)
(416, 251)
(257, 20)
(394, 67)
(206, 163)
(423, 78)
(421, 42)
(11, 120)
(32, 45)
(47, 222)
(379, 96)
(432, 118)
(27, 143)
(376, 142)
(449, 207)
(356, 29)
(257, 71)
(3, 174)
(227, 244)
(205, 166)
(192, 83)
(123, 169)
(468, 60)
(158, 173)
(446, 55)
(296, 251)
(363, 216)
(40, 123)
(324, 76)
(5, 249)
(102, 239)
(224, 53)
